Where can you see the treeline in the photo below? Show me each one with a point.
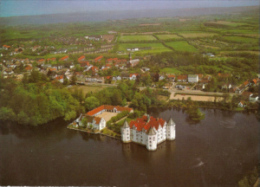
(36, 102)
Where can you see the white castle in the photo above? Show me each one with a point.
(148, 131)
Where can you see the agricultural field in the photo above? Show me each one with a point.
(147, 47)
(181, 46)
(238, 39)
(225, 23)
(168, 37)
(137, 38)
(197, 35)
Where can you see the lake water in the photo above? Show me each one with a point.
(217, 151)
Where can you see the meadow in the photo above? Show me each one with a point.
(197, 35)
(171, 71)
(137, 38)
(151, 47)
(181, 46)
(168, 37)
(238, 39)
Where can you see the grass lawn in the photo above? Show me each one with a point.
(154, 47)
(89, 88)
(168, 37)
(133, 38)
(181, 46)
(197, 35)
(171, 70)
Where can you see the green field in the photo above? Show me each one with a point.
(197, 35)
(181, 46)
(136, 38)
(239, 39)
(154, 47)
(171, 70)
(168, 37)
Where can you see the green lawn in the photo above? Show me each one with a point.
(171, 70)
(136, 38)
(181, 46)
(168, 36)
(151, 47)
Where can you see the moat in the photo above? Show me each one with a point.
(217, 151)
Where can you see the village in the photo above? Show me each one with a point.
(70, 70)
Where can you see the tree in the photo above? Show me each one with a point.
(91, 103)
(73, 79)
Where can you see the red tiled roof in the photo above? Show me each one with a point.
(246, 83)
(133, 74)
(108, 107)
(64, 58)
(141, 123)
(6, 46)
(182, 77)
(28, 68)
(171, 76)
(98, 58)
(97, 119)
(53, 69)
(108, 77)
(41, 60)
(59, 77)
(81, 58)
(254, 81)
(94, 68)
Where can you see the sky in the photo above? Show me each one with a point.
(10, 8)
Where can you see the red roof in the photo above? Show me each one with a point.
(143, 123)
(171, 76)
(28, 68)
(98, 58)
(53, 69)
(254, 81)
(246, 83)
(133, 74)
(84, 63)
(94, 68)
(182, 77)
(108, 107)
(41, 60)
(108, 77)
(64, 58)
(81, 58)
(59, 77)
(6, 46)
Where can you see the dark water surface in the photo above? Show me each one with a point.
(218, 151)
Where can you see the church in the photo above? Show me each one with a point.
(148, 131)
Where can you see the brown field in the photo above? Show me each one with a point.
(234, 52)
(107, 115)
(150, 24)
(196, 98)
(197, 35)
(183, 20)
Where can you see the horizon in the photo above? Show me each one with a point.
(39, 7)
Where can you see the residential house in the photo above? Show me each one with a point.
(241, 104)
(193, 78)
(80, 59)
(6, 47)
(60, 78)
(253, 98)
(182, 78)
(65, 58)
(171, 78)
(133, 76)
(98, 59)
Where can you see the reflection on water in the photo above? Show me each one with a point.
(217, 151)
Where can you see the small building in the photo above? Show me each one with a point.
(82, 58)
(253, 98)
(241, 104)
(182, 78)
(108, 108)
(193, 78)
(148, 131)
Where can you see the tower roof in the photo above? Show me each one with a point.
(171, 122)
(151, 131)
(125, 125)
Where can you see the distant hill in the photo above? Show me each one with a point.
(116, 15)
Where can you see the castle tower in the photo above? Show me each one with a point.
(170, 130)
(125, 132)
(151, 144)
